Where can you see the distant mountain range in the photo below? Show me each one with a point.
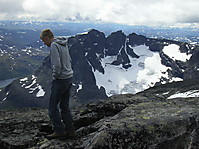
(108, 65)
(185, 34)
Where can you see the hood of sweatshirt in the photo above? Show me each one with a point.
(61, 40)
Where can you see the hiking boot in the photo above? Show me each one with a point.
(55, 136)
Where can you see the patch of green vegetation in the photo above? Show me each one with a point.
(146, 117)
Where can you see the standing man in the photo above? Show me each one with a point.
(62, 74)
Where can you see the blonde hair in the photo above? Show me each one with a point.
(46, 33)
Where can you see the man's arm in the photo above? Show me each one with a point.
(55, 61)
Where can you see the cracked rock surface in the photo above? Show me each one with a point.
(147, 120)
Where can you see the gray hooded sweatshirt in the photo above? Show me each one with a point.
(60, 59)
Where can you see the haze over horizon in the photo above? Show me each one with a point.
(130, 12)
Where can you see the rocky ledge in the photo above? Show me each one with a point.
(162, 117)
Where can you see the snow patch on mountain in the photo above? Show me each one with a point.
(34, 86)
(188, 94)
(24, 79)
(79, 87)
(152, 72)
(144, 72)
(41, 92)
(174, 53)
(5, 97)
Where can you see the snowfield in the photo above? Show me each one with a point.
(144, 72)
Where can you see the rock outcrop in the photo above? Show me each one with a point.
(162, 117)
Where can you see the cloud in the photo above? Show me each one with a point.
(142, 12)
(10, 8)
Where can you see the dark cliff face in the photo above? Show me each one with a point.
(163, 117)
(192, 70)
(90, 53)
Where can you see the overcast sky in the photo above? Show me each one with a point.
(139, 12)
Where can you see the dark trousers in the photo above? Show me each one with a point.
(59, 111)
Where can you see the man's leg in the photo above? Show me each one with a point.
(65, 110)
(53, 108)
